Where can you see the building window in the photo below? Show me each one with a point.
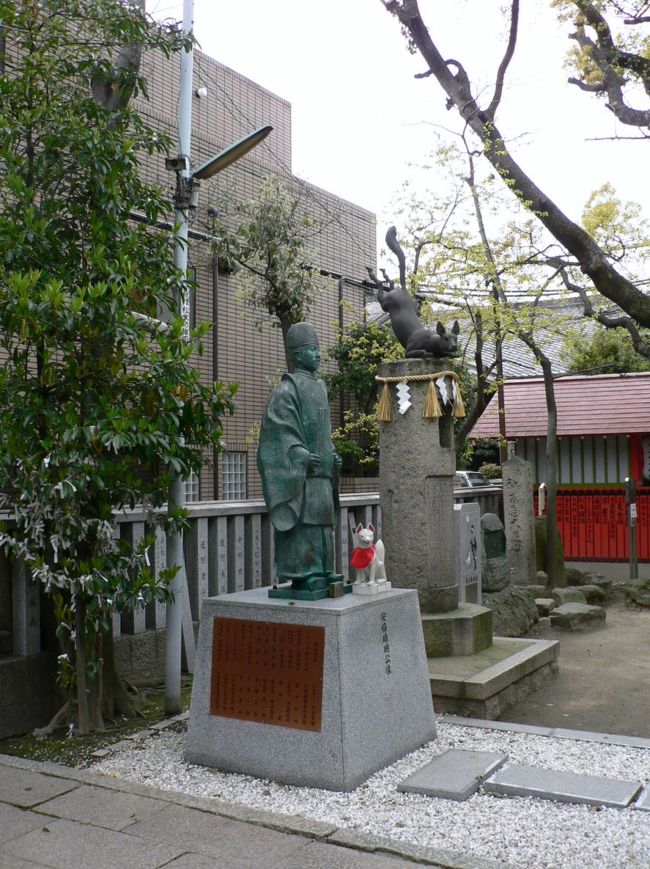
(233, 475)
(192, 488)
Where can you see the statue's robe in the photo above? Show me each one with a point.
(302, 502)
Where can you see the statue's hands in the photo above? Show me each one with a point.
(338, 462)
(313, 461)
(300, 458)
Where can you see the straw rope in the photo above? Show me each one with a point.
(431, 409)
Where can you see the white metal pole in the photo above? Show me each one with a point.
(176, 497)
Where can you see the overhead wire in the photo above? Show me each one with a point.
(232, 107)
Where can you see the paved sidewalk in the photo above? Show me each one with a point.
(55, 816)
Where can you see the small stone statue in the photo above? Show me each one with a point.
(299, 470)
(399, 304)
(368, 562)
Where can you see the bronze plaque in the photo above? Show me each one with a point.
(268, 672)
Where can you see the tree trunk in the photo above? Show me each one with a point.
(116, 698)
(98, 693)
(553, 540)
(286, 325)
(83, 716)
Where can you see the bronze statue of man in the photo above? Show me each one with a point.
(299, 470)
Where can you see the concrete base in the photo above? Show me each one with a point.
(374, 674)
(466, 630)
(487, 684)
(371, 588)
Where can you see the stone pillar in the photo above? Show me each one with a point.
(26, 611)
(519, 520)
(417, 463)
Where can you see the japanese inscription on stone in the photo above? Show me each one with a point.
(268, 672)
(385, 643)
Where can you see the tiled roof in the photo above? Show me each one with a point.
(605, 404)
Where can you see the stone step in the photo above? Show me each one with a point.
(599, 580)
(572, 615)
(454, 775)
(594, 594)
(643, 800)
(568, 594)
(522, 780)
(545, 605)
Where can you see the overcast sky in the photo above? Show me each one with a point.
(359, 116)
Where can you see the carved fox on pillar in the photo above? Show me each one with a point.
(399, 304)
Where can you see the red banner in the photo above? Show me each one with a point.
(593, 524)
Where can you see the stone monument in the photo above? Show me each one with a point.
(470, 671)
(494, 559)
(519, 520)
(306, 686)
(416, 484)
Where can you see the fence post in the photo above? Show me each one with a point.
(630, 500)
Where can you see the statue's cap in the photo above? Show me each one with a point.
(300, 334)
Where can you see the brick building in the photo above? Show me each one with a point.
(234, 349)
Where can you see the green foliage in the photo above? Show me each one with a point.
(358, 352)
(618, 227)
(485, 451)
(606, 351)
(607, 46)
(357, 442)
(271, 245)
(97, 402)
(490, 470)
(475, 251)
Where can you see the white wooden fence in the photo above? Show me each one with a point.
(228, 548)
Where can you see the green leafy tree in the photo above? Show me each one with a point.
(98, 400)
(360, 348)
(606, 351)
(358, 352)
(611, 55)
(271, 245)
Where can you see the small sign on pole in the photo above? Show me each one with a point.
(630, 500)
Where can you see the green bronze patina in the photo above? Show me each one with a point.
(299, 471)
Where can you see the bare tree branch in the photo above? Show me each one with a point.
(114, 94)
(593, 260)
(507, 57)
(611, 61)
(608, 319)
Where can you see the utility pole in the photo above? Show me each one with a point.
(185, 202)
(176, 496)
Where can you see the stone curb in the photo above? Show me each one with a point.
(291, 824)
(556, 732)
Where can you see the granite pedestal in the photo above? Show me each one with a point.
(368, 702)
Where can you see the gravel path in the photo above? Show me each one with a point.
(516, 831)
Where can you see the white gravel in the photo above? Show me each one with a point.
(520, 832)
